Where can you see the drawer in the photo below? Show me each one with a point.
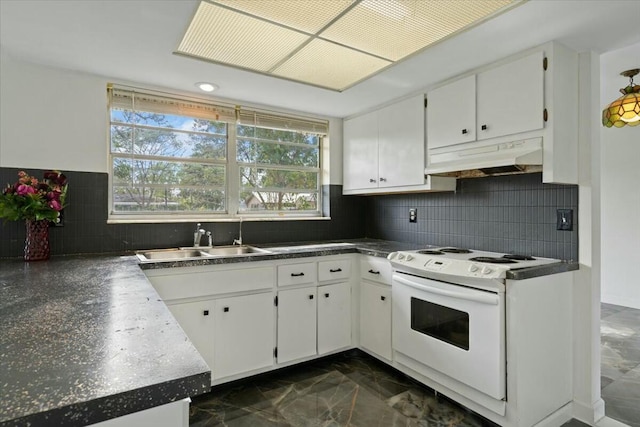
(296, 274)
(334, 270)
(375, 269)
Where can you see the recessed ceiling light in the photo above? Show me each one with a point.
(207, 87)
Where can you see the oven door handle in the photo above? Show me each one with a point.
(476, 296)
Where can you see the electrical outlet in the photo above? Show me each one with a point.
(413, 215)
(564, 219)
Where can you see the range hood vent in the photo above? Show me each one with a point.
(524, 156)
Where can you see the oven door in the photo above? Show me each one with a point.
(456, 330)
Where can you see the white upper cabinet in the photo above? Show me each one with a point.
(510, 98)
(451, 113)
(361, 152)
(384, 151)
(401, 150)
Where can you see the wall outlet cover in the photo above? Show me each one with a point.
(564, 219)
(413, 215)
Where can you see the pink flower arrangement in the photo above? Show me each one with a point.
(30, 198)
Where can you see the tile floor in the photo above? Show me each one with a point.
(354, 389)
(620, 363)
(348, 389)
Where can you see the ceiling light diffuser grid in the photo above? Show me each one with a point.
(221, 35)
(394, 29)
(329, 65)
(305, 15)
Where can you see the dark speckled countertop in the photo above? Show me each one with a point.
(87, 338)
(84, 339)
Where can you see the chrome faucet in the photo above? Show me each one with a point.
(197, 236)
(238, 241)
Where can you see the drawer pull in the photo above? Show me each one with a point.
(297, 274)
(205, 313)
(374, 272)
(464, 131)
(326, 295)
(382, 298)
(372, 180)
(226, 309)
(337, 270)
(310, 296)
(483, 127)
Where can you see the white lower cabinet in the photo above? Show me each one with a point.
(375, 318)
(196, 319)
(243, 331)
(296, 324)
(334, 317)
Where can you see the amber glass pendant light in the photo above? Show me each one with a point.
(626, 109)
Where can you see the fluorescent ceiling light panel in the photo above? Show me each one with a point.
(309, 16)
(222, 35)
(334, 66)
(328, 43)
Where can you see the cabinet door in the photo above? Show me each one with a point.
(451, 113)
(196, 319)
(511, 98)
(296, 324)
(360, 154)
(375, 318)
(334, 317)
(401, 142)
(243, 332)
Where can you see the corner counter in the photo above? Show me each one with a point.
(84, 339)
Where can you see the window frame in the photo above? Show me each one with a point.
(231, 164)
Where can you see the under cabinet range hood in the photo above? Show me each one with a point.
(522, 156)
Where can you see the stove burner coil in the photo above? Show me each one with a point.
(455, 250)
(430, 252)
(517, 257)
(492, 260)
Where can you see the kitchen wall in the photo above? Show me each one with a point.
(85, 228)
(620, 175)
(508, 214)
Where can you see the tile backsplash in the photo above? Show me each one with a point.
(508, 214)
(86, 230)
(515, 214)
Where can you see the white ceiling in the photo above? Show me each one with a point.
(133, 41)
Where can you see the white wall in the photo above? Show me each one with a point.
(57, 119)
(620, 199)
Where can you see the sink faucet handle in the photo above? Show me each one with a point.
(210, 236)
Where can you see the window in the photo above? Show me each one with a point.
(174, 158)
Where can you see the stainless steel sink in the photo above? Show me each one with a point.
(233, 250)
(196, 253)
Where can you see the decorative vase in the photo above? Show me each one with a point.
(36, 245)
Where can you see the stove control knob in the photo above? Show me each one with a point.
(486, 270)
(473, 268)
(409, 257)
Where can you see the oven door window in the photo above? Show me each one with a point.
(440, 322)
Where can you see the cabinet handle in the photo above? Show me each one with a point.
(326, 295)
(337, 270)
(464, 131)
(483, 127)
(382, 298)
(374, 272)
(383, 179)
(372, 180)
(226, 309)
(205, 313)
(310, 296)
(297, 274)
